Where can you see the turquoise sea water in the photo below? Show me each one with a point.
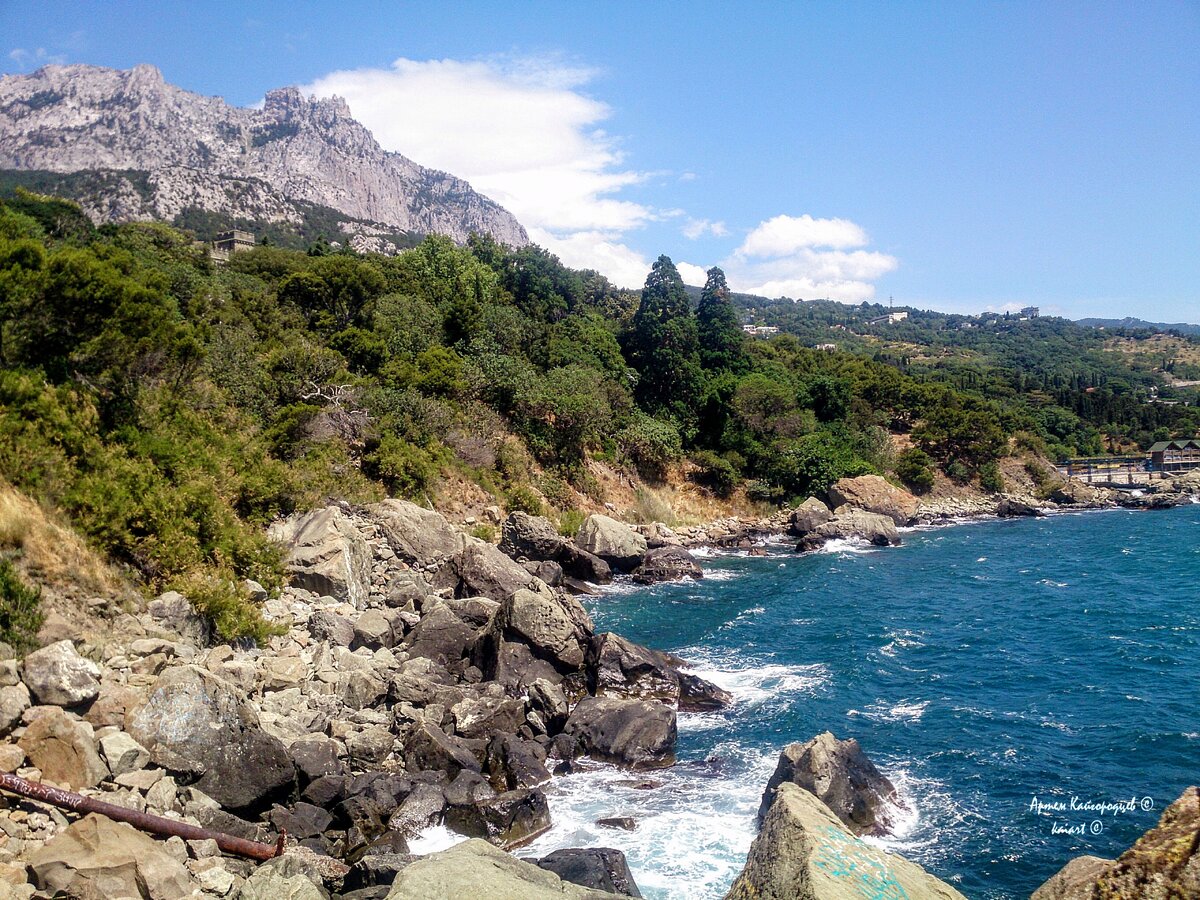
(980, 665)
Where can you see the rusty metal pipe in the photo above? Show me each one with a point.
(140, 820)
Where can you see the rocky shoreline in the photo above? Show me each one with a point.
(421, 677)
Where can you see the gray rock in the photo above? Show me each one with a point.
(441, 636)
(284, 878)
(1076, 880)
(420, 537)
(326, 554)
(57, 675)
(614, 542)
(506, 820)
(97, 857)
(476, 869)
(194, 723)
(172, 611)
(636, 733)
(428, 747)
(532, 636)
(851, 523)
(842, 777)
(875, 495)
(808, 517)
(1011, 508)
(420, 809)
(376, 629)
(791, 859)
(316, 756)
(618, 666)
(326, 626)
(14, 700)
(484, 571)
(63, 749)
(550, 703)
(484, 716)
(667, 563)
(512, 763)
(371, 746)
(599, 868)
(122, 753)
(534, 538)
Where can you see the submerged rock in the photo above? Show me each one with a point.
(668, 563)
(1163, 864)
(1011, 508)
(506, 820)
(841, 776)
(804, 852)
(599, 868)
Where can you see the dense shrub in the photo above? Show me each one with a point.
(913, 468)
(20, 609)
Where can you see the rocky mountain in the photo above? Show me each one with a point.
(161, 152)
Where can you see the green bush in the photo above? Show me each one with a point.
(20, 609)
(234, 614)
(523, 498)
(408, 470)
(652, 445)
(990, 478)
(569, 522)
(485, 531)
(715, 472)
(913, 468)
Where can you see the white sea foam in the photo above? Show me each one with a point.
(433, 839)
(694, 825)
(722, 574)
(848, 545)
(904, 711)
(771, 681)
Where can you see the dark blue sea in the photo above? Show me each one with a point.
(981, 666)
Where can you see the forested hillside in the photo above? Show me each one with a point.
(171, 408)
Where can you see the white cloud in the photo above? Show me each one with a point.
(28, 59)
(692, 274)
(787, 234)
(697, 228)
(622, 265)
(803, 257)
(521, 132)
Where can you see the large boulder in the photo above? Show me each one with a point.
(428, 747)
(506, 820)
(618, 666)
(636, 733)
(441, 636)
(804, 852)
(420, 537)
(853, 524)
(667, 563)
(195, 724)
(842, 777)
(57, 675)
(63, 749)
(97, 857)
(1012, 508)
(326, 554)
(283, 878)
(1163, 864)
(614, 542)
(808, 517)
(534, 635)
(483, 571)
(475, 869)
(875, 494)
(600, 868)
(535, 538)
(173, 612)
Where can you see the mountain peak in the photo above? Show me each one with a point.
(198, 152)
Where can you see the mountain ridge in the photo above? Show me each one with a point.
(199, 152)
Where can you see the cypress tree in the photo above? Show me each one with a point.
(722, 343)
(664, 346)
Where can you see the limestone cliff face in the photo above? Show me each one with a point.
(200, 151)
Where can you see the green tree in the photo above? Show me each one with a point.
(722, 342)
(664, 346)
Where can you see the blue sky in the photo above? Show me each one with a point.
(958, 156)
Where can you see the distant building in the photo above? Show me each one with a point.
(891, 318)
(828, 348)
(1030, 312)
(228, 243)
(760, 330)
(1175, 456)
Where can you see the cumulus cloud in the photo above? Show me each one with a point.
(804, 257)
(521, 131)
(622, 265)
(692, 274)
(697, 228)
